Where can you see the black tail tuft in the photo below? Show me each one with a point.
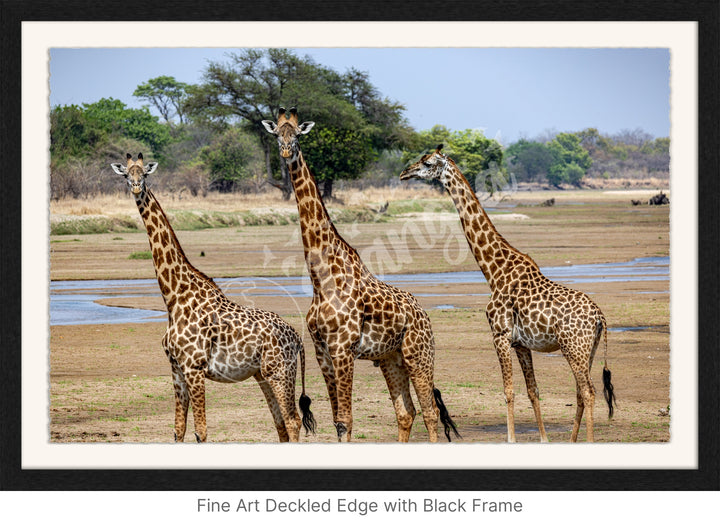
(308, 419)
(445, 418)
(608, 391)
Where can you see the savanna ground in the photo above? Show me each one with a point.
(111, 382)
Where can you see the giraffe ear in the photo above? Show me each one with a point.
(150, 167)
(306, 127)
(270, 126)
(119, 169)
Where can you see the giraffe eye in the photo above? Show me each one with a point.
(427, 164)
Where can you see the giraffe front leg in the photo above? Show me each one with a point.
(502, 347)
(524, 355)
(195, 378)
(344, 364)
(182, 400)
(328, 371)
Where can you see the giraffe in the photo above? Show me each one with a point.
(210, 337)
(526, 311)
(353, 315)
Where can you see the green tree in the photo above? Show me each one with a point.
(255, 83)
(388, 128)
(568, 156)
(333, 154)
(113, 117)
(166, 94)
(72, 133)
(528, 160)
(479, 158)
(230, 158)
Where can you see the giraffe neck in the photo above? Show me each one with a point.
(175, 274)
(490, 249)
(322, 243)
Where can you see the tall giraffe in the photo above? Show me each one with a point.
(527, 311)
(353, 315)
(210, 337)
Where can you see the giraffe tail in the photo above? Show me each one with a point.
(308, 419)
(608, 388)
(445, 418)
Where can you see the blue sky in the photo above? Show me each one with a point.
(509, 93)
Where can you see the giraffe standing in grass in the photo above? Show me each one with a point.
(353, 315)
(210, 337)
(527, 311)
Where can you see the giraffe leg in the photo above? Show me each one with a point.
(326, 367)
(282, 381)
(195, 379)
(502, 347)
(274, 406)
(524, 356)
(424, 390)
(420, 364)
(398, 383)
(344, 365)
(182, 400)
(578, 416)
(585, 393)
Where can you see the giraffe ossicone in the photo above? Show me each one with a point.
(353, 315)
(527, 311)
(210, 337)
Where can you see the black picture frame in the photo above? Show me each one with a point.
(705, 477)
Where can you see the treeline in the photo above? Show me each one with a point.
(208, 137)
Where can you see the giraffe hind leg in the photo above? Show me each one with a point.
(398, 382)
(274, 406)
(585, 391)
(282, 383)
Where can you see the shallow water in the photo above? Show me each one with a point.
(75, 301)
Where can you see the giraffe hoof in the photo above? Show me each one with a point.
(197, 437)
(341, 430)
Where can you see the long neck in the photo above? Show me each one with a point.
(173, 270)
(490, 249)
(322, 243)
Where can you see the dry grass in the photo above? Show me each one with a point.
(122, 202)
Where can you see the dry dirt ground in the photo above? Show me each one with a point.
(111, 382)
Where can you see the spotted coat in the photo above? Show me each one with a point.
(210, 337)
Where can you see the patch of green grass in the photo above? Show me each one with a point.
(416, 205)
(94, 225)
(67, 240)
(355, 216)
(140, 255)
(199, 220)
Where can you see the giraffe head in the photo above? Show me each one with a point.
(430, 166)
(135, 172)
(287, 132)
